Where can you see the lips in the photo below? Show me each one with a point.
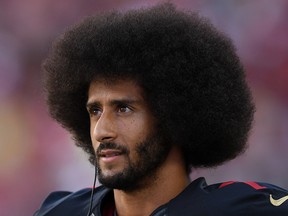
(110, 153)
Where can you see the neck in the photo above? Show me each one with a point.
(171, 179)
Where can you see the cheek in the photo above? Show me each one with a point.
(144, 126)
(137, 130)
(94, 143)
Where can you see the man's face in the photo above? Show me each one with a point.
(123, 134)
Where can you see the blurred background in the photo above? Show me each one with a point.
(37, 156)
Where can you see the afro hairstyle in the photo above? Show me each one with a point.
(189, 71)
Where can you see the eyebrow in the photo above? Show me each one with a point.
(113, 102)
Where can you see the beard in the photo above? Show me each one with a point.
(150, 155)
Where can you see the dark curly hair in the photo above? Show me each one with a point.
(193, 80)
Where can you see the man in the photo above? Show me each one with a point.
(148, 94)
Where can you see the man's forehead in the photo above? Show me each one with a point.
(119, 89)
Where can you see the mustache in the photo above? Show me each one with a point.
(112, 145)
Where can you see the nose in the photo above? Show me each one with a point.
(105, 128)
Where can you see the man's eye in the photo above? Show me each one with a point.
(94, 111)
(124, 109)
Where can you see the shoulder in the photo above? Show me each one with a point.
(230, 198)
(248, 198)
(70, 203)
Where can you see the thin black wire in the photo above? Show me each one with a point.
(93, 189)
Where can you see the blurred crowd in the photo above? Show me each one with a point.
(37, 156)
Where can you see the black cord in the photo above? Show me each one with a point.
(93, 188)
